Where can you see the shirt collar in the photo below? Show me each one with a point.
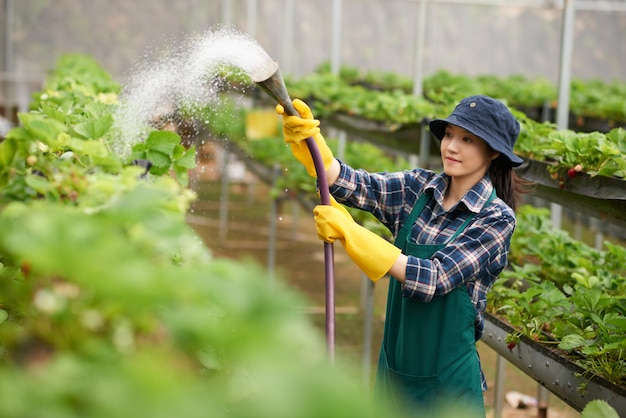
(475, 198)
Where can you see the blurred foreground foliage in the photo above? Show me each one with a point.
(110, 305)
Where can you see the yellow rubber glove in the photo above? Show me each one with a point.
(372, 253)
(297, 129)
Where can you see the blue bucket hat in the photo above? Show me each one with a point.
(488, 119)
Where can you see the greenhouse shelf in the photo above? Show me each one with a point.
(556, 373)
(390, 137)
(599, 196)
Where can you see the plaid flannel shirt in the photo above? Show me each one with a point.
(473, 259)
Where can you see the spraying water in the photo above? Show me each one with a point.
(188, 76)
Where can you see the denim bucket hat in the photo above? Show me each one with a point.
(488, 119)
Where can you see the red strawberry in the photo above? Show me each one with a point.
(25, 269)
(511, 346)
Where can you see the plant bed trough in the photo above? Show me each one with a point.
(556, 373)
(598, 196)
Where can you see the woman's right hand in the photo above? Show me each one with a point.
(297, 129)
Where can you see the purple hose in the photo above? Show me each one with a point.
(329, 257)
(275, 87)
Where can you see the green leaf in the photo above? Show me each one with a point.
(42, 128)
(94, 128)
(8, 148)
(20, 134)
(158, 158)
(619, 323)
(188, 159)
(182, 176)
(163, 141)
(572, 342)
(91, 148)
(4, 315)
(38, 183)
(599, 409)
(618, 136)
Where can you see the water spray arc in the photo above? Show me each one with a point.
(269, 78)
(180, 76)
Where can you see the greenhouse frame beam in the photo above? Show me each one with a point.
(587, 5)
(565, 64)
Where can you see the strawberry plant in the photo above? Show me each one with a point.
(327, 94)
(165, 153)
(568, 152)
(595, 153)
(562, 293)
(589, 98)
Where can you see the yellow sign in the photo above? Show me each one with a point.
(261, 123)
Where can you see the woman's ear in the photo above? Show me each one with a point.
(494, 155)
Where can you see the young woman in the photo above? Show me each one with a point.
(452, 232)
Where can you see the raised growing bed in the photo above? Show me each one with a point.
(598, 196)
(552, 370)
(390, 136)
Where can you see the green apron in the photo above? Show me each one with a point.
(428, 358)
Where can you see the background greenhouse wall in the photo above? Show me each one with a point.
(461, 36)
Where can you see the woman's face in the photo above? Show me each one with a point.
(464, 155)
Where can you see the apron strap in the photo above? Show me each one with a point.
(410, 221)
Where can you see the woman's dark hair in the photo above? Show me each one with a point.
(509, 186)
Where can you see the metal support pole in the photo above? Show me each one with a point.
(295, 217)
(224, 195)
(287, 37)
(545, 111)
(335, 47)
(543, 400)
(498, 401)
(424, 147)
(565, 71)
(271, 247)
(341, 144)
(556, 215)
(562, 116)
(595, 225)
(420, 37)
(7, 54)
